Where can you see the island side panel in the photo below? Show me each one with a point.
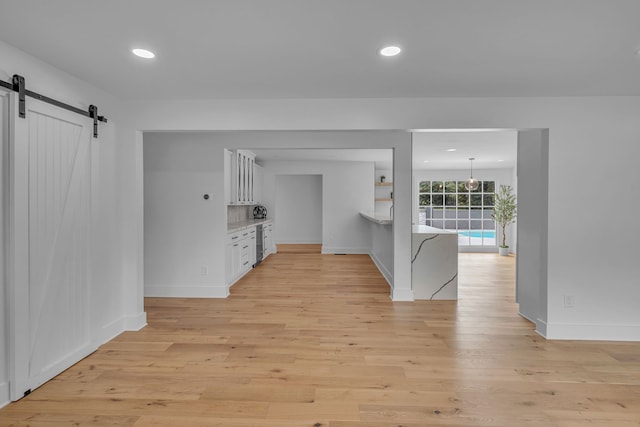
(435, 265)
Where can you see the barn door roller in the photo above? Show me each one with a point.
(18, 85)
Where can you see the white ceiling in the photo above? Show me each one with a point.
(495, 149)
(328, 48)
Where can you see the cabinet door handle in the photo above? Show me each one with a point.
(253, 238)
(234, 237)
(246, 263)
(236, 244)
(245, 247)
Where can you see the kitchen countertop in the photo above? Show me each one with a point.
(377, 218)
(425, 229)
(243, 225)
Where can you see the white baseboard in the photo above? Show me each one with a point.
(4, 394)
(383, 270)
(402, 295)
(541, 325)
(109, 332)
(541, 328)
(592, 332)
(118, 326)
(186, 291)
(135, 322)
(328, 250)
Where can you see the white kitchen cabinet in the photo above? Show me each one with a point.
(252, 248)
(240, 253)
(245, 260)
(228, 180)
(258, 176)
(267, 231)
(233, 254)
(242, 177)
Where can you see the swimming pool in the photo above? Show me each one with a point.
(489, 234)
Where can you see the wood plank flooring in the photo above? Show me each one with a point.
(299, 248)
(313, 340)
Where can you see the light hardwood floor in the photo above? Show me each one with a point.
(313, 340)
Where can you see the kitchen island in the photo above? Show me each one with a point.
(381, 252)
(434, 263)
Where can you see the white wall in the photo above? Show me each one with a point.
(108, 315)
(178, 237)
(298, 209)
(531, 264)
(603, 131)
(383, 207)
(501, 176)
(347, 189)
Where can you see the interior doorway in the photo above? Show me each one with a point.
(442, 163)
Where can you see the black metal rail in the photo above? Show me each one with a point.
(18, 85)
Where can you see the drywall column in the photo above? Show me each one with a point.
(402, 167)
(532, 225)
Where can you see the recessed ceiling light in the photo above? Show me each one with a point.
(425, 161)
(452, 149)
(501, 160)
(143, 53)
(390, 51)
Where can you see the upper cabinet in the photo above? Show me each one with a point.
(258, 174)
(240, 185)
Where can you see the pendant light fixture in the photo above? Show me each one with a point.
(471, 184)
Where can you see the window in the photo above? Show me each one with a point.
(450, 206)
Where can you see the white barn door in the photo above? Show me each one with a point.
(50, 199)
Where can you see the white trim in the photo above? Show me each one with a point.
(4, 394)
(541, 325)
(186, 291)
(541, 328)
(402, 295)
(136, 322)
(592, 332)
(383, 270)
(328, 250)
(108, 332)
(118, 326)
(4, 249)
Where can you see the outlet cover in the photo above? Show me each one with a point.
(568, 301)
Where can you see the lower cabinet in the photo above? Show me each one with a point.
(240, 253)
(267, 231)
(241, 250)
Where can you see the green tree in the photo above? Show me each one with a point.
(504, 211)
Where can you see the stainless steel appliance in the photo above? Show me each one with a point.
(259, 244)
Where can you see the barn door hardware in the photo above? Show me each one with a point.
(18, 85)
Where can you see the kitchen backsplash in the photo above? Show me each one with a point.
(239, 213)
